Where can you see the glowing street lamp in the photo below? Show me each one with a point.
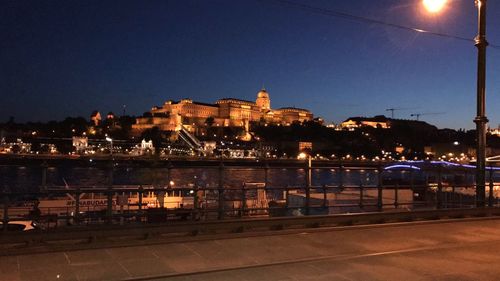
(111, 144)
(434, 6)
(302, 155)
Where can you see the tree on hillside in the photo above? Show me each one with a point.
(209, 121)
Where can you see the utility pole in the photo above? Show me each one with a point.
(481, 120)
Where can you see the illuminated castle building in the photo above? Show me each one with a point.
(378, 121)
(227, 112)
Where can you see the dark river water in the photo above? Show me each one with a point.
(29, 178)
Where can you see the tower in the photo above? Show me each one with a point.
(263, 101)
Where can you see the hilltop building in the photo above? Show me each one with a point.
(226, 112)
(95, 118)
(379, 121)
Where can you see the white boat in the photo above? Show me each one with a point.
(93, 202)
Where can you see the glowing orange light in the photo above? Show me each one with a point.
(302, 155)
(434, 6)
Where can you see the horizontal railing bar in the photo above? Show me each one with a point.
(109, 231)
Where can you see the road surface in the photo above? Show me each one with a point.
(439, 250)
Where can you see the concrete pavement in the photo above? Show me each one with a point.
(459, 250)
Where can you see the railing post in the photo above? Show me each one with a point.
(77, 205)
(169, 174)
(6, 202)
(309, 171)
(426, 187)
(220, 215)
(109, 210)
(412, 187)
(243, 200)
(266, 180)
(286, 198)
(308, 186)
(380, 202)
(361, 196)
(196, 204)
(396, 189)
(439, 194)
(266, 174)
(325, 198)
(139, 204)
(120, 198)
(490, 194)
(44, 175)
(341, 175)
(453, 189)
(411, 179)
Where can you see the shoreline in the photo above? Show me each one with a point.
(33, 159)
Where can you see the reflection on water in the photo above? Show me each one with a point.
(26, 178)
(23, 178)
(29, 177)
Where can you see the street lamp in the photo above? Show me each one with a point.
(434, 6)
(308, 158)
(480, 120)
(111, 144)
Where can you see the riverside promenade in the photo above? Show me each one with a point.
(462, 249)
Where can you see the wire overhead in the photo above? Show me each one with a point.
(333, 13)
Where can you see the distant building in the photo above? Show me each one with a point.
(144, 148)
(81, 144)
(15, 147)
(49, 148)
(379, 121)
(3, 146)
(494, 132)
(305, 146)
(448, 150)
(95, 118)
(147, 145)
(209, 147)
(226, 112)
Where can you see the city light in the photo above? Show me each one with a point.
(434, 6)
(302, 156)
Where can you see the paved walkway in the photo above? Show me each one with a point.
(461, 250)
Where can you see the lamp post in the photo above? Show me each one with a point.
(481, 120)
(480, 42)
(111, 145)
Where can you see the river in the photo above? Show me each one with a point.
(29, 177)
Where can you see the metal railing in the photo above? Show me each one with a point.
(382, 191)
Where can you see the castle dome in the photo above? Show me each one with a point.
(263, 101)
(263, 94)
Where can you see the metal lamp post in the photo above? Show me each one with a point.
(434, 6)
(481, 120)
(111, 145)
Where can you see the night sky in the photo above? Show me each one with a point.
(68, 58)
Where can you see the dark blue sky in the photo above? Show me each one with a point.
(67, 58)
